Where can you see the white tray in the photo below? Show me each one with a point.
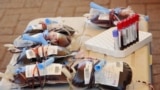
(104, 43)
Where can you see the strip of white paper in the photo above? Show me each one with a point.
(37, 26)
(30, 54)
(52, 50)
(53, 69)
(103, 17)
(87, 72)
(109, 75)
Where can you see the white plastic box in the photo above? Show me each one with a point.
(104, 43)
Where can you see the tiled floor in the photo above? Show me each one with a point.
(15, 15)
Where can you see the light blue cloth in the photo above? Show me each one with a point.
(46, 63)
(40, 65)
(49, 21)
(98, 7)
(38, 38)
(100, 65)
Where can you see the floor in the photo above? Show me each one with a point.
(16, 14)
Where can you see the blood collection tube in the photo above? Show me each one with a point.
(127, 29)
(124, 33)
(134, 30)
(130, 33)
(137, 26)
(116, 40)
(120, 36)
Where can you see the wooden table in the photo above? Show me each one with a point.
(139, 60)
